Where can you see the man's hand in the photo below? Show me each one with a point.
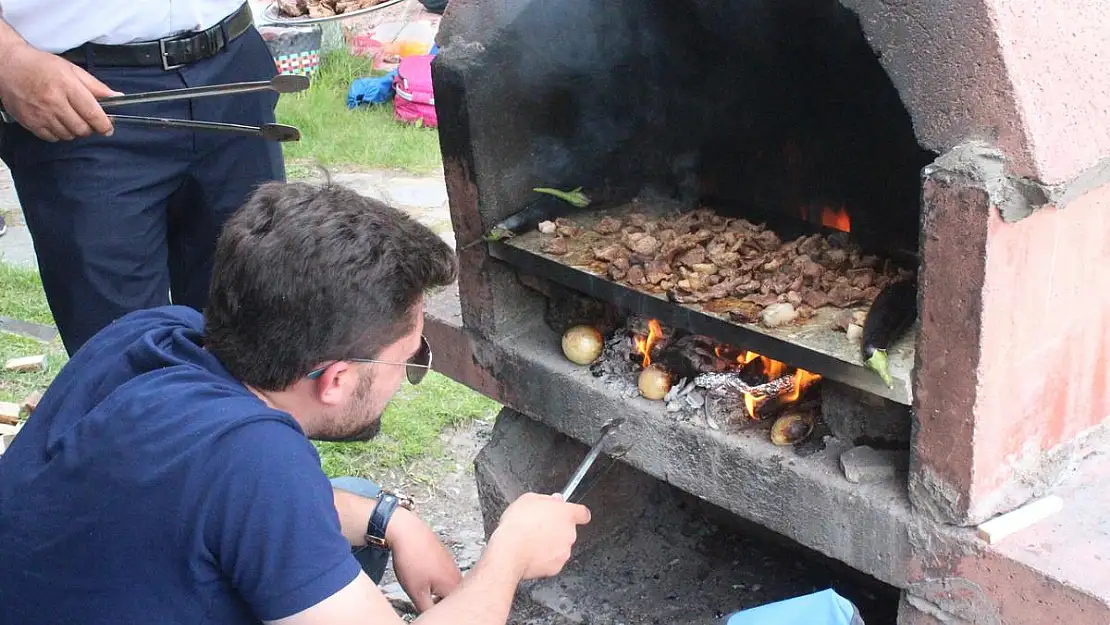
(423, 565)
(540, 531)
(51, 97)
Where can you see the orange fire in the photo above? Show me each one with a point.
(771, 370)
(802, 380)
(836, 218)
(774, 370)
(644, 345)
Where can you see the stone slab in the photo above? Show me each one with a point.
(864, 465)
(29, 330)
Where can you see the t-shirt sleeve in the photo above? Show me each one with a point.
(271, 523)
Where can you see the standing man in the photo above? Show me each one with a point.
(126, 218)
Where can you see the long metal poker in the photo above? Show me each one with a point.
(282, 83)
(591, 457)
(270, 132)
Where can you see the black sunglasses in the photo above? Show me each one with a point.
(418, 365)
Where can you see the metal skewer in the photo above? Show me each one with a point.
(269, 132)
(282, 83)
(591, 457)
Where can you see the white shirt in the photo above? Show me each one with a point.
(60, 25)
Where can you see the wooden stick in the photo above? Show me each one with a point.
(9, 412)
(1002, 526)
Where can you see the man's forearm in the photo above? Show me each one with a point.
(354, 513)
(9, 39)
(485, 595)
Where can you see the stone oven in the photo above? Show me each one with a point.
(960, 148)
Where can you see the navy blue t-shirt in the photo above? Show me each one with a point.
(149, 486)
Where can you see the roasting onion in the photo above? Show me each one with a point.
(654, 382)
(582, 344)
(791, 428)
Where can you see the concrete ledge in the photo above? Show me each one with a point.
(452, 355)
(1048, 574)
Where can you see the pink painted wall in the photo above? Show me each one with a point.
(1045, 362)
(1026, 75)
(1057, 55)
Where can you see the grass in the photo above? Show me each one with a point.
(21, 295)
(410, 428)
(17, 385)
(340, 138)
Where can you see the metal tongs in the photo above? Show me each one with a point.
(282, 83)
(591, 457)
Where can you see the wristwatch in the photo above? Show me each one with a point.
(379, 519)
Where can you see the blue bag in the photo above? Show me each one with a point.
(376, 90)
(820, 608)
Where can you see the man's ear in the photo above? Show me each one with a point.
(336, 383)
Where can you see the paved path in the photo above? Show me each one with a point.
(425, 198)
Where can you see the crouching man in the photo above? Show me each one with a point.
(167, 475)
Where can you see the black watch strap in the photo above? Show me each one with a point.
(379, 519)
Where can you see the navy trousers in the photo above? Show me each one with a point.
(130, 221)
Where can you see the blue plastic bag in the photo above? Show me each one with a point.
(376, 90)
(820, 608)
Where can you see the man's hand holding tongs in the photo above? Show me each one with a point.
(48, 95)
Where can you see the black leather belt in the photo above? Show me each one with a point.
(170, 52)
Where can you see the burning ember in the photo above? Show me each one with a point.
(835, 218)
(697, 377)
(764, 385)
(644, 344)
(782, 385)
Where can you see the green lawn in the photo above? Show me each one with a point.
(340, 138)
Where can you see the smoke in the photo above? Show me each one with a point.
(769, 102)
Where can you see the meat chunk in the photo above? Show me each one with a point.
(557, 246)
(608, 225)
(816, 299)
(657, 271)
(645, 245)
(844, 295)
(611, 252)
(292, 8)
(694, 256)
(635, 275)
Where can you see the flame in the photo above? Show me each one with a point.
(836, 218)
(644, 345)
(772, 370)
(802, 380)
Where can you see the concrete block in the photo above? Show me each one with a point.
(864, 465)
(916, 611)
(859, 418)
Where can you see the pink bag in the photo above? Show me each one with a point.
(414, 101)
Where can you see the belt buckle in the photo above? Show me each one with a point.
(166, 56)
